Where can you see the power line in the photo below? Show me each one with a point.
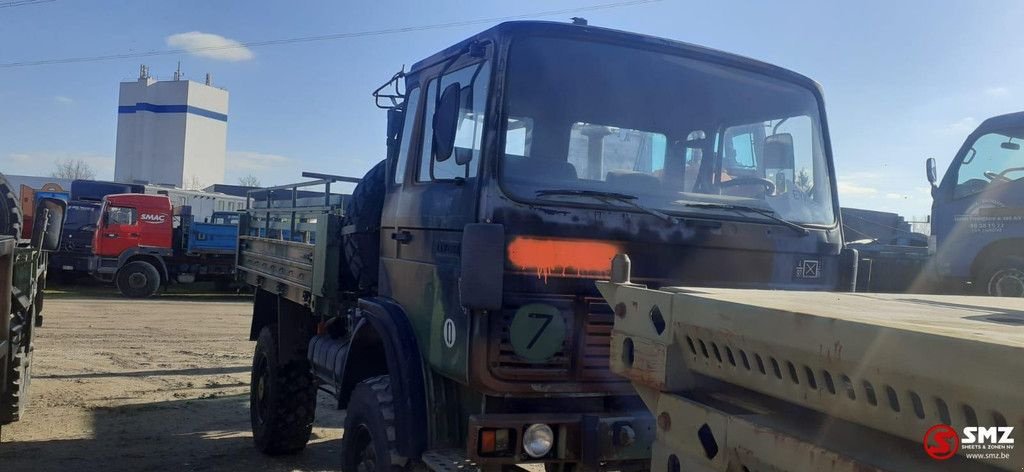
(326, 37)
(21, 3)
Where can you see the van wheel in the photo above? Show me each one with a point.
(369, 441)
(138, 279)
(1003, 278)
(282, 399)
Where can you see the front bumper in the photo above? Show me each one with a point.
(588, 439)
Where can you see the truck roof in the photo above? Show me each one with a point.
(1002, 121)
(138, 199)
(515, 28)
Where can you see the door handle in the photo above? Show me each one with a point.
(403, 237)
(110, 235)
(134, 235)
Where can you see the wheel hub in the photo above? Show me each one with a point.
(1007, 283)
(137, 280)
(262, 385)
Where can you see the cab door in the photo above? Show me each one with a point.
(430, 201)
(119, 230)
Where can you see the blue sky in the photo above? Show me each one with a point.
(903, 81)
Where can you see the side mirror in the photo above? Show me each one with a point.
(778, 151)
(396, 118)
(929, 169)
(48, 223)
(446, 119)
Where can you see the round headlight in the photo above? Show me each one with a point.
(537, 440)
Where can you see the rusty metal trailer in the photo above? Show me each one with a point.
(748, 380)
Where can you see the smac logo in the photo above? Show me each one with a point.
(153, 218)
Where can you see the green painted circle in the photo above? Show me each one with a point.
(537, 332)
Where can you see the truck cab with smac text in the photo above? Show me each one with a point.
(139, 246)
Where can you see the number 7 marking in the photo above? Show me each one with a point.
(547, 320)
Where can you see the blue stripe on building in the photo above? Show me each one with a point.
(171, 109)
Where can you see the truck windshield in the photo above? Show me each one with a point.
(670, 130)
(993, 158)
(79, 215)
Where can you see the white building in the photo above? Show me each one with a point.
(203, 203)
(171, 132)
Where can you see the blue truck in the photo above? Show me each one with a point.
(978, 211)
(977, 234)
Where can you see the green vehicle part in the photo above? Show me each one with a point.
(744, 380)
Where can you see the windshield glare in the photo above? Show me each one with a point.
(666, 129)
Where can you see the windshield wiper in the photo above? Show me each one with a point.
(605, 197)
(760, 211)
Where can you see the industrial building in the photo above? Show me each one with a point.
(171, 132)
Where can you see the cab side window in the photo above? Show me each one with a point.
(473, 82)
(412, 103)
(121, 216)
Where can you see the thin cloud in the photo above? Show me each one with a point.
(997, 92)
(63, 100)
(42, 163)
(250, 160)
(850, 188)
(211, 46)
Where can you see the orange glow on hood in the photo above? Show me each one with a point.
(564, 257)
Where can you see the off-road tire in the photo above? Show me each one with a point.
(10, 212)
(369, 442)
(1002, 278)
(282, 399)
(361, 238)
(14, 398)
(138, 279)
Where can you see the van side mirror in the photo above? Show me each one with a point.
(929, 169)
(778, 151)
(445, 121)
(48, 223)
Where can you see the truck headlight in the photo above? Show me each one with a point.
(537, 440)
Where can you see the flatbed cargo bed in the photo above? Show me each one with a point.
(810, 380)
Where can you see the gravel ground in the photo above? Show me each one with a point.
(159, 384)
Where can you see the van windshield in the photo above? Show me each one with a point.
(669, 130)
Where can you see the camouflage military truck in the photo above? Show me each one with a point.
(449, 303)
(22, 278)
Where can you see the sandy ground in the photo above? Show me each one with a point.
(160, 384)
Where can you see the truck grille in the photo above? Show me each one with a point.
(584, 353)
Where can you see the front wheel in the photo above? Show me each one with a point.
(138, 279)
(1004, 278)
(282, 399)
(369, 441)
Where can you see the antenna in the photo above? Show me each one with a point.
(177, 73)
(209, 79)
(143, 71)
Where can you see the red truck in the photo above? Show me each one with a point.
(138, 246)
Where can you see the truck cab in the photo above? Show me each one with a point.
(143, 242)
(978, 210)
(566, 145)
(452, 308)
